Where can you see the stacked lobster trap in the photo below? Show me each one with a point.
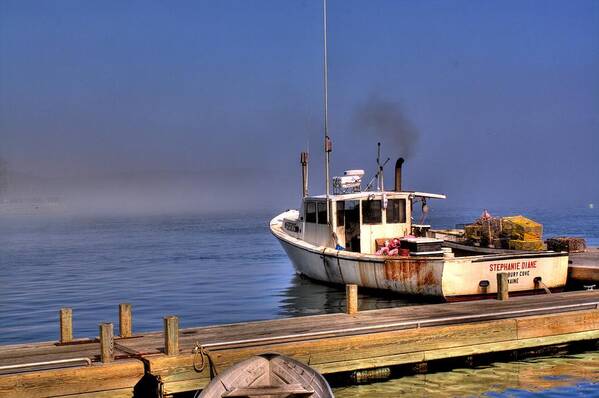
(513, 232)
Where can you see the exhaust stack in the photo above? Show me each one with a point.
(304, 162)
(398, 165)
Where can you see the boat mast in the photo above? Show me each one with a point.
(327, 140)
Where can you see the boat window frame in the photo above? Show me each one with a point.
(321, 212)
(340, 213)
(401, 215)
(308, 214)
(366, 218)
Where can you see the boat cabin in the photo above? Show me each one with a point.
(357, 219)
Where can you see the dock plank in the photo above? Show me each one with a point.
(152, 342)
(584, 267)
(551, 325)
(120, 376)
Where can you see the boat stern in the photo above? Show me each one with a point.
(475, 277)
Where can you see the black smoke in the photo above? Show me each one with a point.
(386, 122)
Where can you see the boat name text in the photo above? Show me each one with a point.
(512, 266)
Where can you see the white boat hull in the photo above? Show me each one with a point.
(451, 279)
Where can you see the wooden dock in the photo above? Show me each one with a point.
(330, 343)
(584, 267)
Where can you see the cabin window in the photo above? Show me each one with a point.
(340, 213)
(396, 211)
(322, 212)
(311, 212)
(371, 212)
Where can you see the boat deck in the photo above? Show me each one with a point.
(330, 343)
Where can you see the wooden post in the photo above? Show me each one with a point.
(351, 294)
(125, 320)
(66, 325)
(171, 335)
(502, 286)
(106, 342)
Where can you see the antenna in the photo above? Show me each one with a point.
(379, 171)
(327, 141)
(378, 166)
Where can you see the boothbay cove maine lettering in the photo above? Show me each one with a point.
(299, 199)
(513, 277)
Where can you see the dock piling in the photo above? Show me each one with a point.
(171, 335)
(502, 286)
(66, 325)
(351, 293)
(106, 342)
(125, 328)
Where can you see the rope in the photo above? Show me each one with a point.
(202, 352)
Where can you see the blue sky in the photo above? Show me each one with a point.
(504, 94)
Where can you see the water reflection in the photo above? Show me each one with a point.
(559, 376)
(307, 297)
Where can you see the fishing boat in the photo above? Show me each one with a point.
(337, 238)
(268, 375)
(366, 236)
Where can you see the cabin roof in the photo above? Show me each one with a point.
(377, 194)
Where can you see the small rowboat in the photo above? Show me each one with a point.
(268, 375)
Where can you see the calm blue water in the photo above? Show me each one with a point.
(205, 269)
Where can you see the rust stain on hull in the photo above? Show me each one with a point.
(419, 273)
